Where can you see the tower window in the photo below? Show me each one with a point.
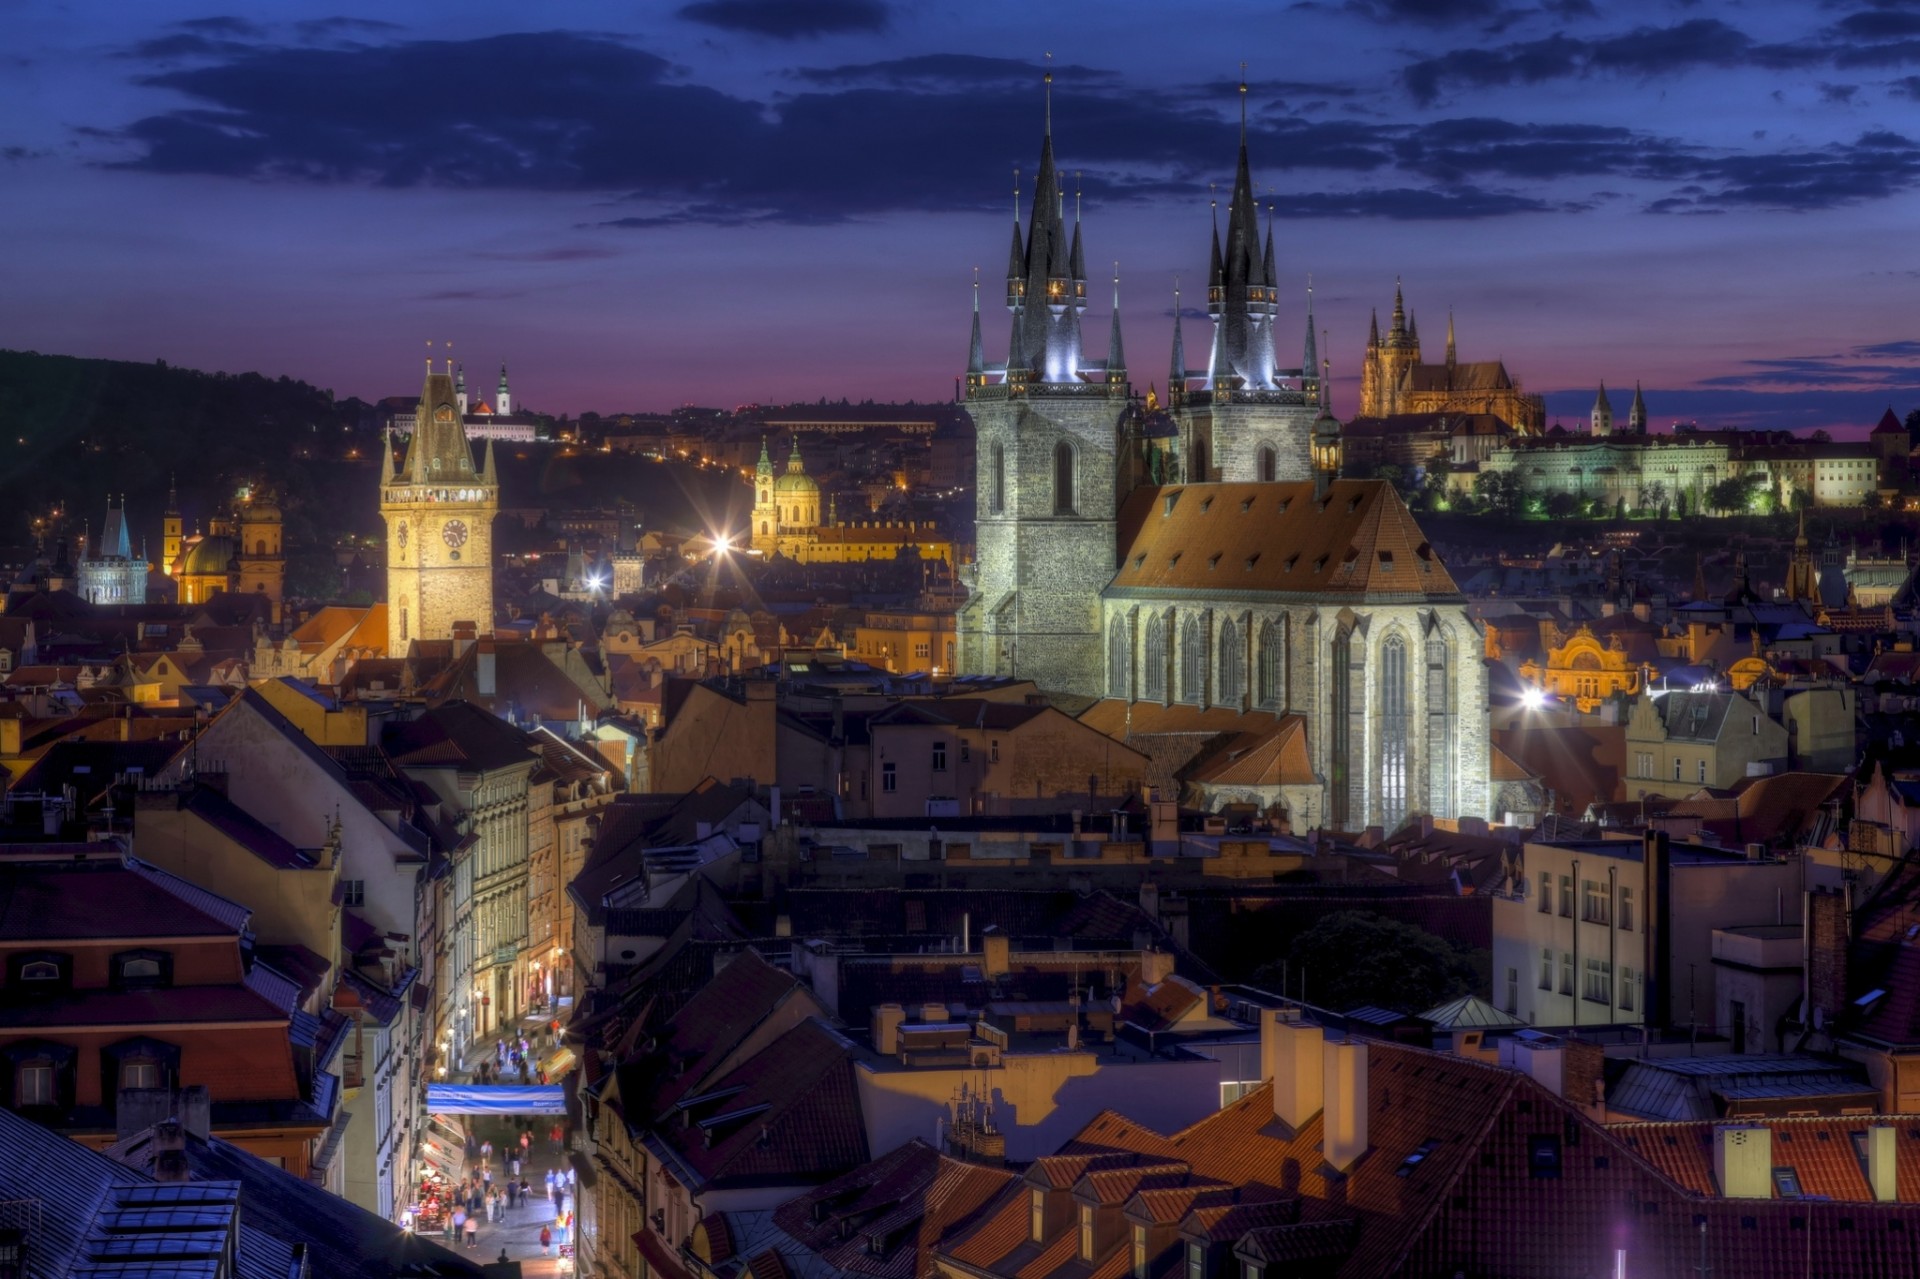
(1063, 479)
(997, 481)
(1269, 465)
(1393, 737)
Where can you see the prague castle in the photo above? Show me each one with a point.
(1395, 381)
(439, 514)
(1262, 602)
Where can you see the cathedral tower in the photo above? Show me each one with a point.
(439, 514)
(1253, 419)
(1048, 427)
(1601, 420)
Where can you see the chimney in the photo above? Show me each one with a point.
(485, 676)
(886, 1028)
(1658, 1007)
(1544, 1061)
(996, 954)
(1155, 967)
(170, 1152)
(1584, 1073)
(1344, 1115)
(1290, 1055)
(1826, 933)
(196, 1110)
(1743, 1161)
(1883, 1171)
(1149, 899)
(933, 1014)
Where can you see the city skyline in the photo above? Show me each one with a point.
(732, 201)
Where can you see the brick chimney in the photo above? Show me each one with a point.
(1583, 1074)
(1826, 933)
(170, 1152)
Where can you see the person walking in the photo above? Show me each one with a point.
(546, 1240)
(513, 1193)
(459, 1220)
(473, 1232)
(526, 1140)
(486, 1152)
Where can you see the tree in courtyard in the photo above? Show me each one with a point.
(1562, 506)
(1353, 958)
(1728, 495)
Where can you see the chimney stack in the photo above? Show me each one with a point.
(1290, 1055)
(1883, 1170)
(1344, 1123)
(1743, 1161)
(886, 1029)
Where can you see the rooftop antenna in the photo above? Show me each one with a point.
(1016, 195)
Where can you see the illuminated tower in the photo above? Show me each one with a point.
(1602, 417)
(439, 515)
(260, 554)
(170, 532)
(503, 398)
(765, 516)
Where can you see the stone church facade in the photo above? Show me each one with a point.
(439, 514)
(1292, 637)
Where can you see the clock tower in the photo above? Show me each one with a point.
(439, 514)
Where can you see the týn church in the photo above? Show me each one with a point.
(1269, 633)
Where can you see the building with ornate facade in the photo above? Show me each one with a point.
(1395, 380)
(1265, 597)
(786, 521)
(242, 550)
(439, 512)
(109, 573)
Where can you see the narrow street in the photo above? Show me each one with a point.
(519, 1232)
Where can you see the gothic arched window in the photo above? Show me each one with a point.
(1394, 714)
(997, 481)
(1271, 686)
(1193, 661)
(1233, 665)
(1153, 664)
(1269, 464)
(1063, 489)
(1439, 728)
(1340, 731)
(1117, 657)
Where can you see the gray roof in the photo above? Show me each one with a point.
(1470, 1012)
(1686, 1087)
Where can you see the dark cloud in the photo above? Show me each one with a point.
(574, 112)
(1431, 12)
(1641, 52)
(470, 295)
(789, 19)
(1838, 94)
(1412, 204)
(1880, 365)
(559, 253)
(185, 44)
(1879, 24)
(225, 25)
(1907, 86)
(315, 30)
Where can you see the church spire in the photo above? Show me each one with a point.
(1177, 375)
(1637, 414)
(1241, 298)
(1397, 330)
(1116, 354)
(1452, 355)
(1046, 340)
(976, 350)
(173, 497)
(1373, 329)
(1310, 356)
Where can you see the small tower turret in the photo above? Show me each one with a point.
(1177, 374)
(1310, 356)
(1602, 417)
(503, 399)
(1116, 353)
(1453, 356)
(460, 387)
(170, 532)
(1326, 451)
(976, 350)
(1637, 414)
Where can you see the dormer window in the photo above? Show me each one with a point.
(1196, 1261)
(39, 971)
(1139, 1251)
(142, 969)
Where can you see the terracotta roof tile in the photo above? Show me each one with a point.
(1359, 539)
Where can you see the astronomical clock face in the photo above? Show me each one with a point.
(403, 535)
(454, 534)
(443, 414)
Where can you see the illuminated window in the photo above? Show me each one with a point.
(1037, 1214)
(1086, 1232)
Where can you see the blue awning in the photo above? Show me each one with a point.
(496, 1099)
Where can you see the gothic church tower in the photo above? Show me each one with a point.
(439, 514)
(1047, 424)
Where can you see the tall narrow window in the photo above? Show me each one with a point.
(1193, 661)
(997, 480)
(1063, 491)
(1268, 464)
(1233, 665)
(1153, 673)
(1271, 688)
(1440, 729)
(1340, 735)
(1117, 658)
(1393, 732)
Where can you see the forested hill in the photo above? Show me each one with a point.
(74, 430)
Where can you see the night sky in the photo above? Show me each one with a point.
(639, 205)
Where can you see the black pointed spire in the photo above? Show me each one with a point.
(976, 350)
(1177, 375)
(1373, 328)
(1116, 354)
(1242, 299)
(1310, 356)
(1452, 355)
(1397, 329)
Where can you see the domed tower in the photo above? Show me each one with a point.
(261, 556)
(796, 498)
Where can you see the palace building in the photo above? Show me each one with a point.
(1394, 380)
(1300, 619)
(439, 515)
